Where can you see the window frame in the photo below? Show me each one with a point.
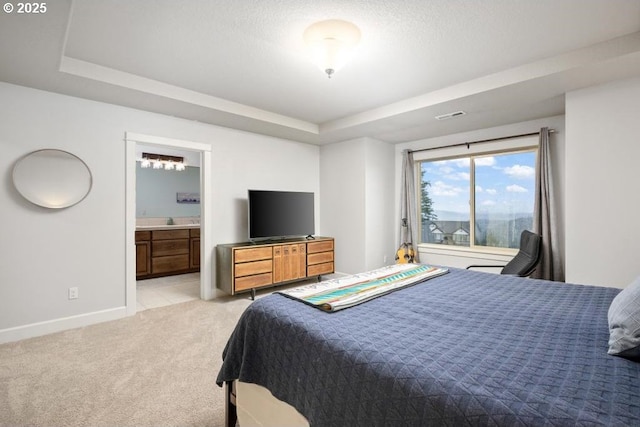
(506, 146)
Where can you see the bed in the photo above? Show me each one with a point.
(462, 348)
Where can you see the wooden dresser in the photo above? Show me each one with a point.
(246, 266)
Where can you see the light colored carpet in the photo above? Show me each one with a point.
(156, 368)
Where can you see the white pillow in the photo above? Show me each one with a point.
(624, 322)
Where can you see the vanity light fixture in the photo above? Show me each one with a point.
(161, 161)
(329, 43)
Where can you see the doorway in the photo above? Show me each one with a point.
(206, 246)
(167, 207)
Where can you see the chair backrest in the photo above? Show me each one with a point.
(527, 257)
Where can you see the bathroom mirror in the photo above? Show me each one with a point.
(52, 178)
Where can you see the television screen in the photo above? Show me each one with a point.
(277, 214)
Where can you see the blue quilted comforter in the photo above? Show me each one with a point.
(466, 348)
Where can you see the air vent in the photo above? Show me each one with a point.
(450, 115)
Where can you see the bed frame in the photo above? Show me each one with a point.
(230, 409)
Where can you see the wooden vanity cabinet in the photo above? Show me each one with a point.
(167, 252)
(247, 266)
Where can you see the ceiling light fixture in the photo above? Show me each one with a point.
(330, 42)
(160, 161)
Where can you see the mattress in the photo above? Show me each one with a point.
(465, 348)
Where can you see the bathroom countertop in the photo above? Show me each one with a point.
(165, 227)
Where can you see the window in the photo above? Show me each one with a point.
(478, 200)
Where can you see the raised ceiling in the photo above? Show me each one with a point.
(242, 63)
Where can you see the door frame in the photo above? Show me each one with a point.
(206, 235)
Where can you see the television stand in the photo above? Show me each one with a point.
(248, 266)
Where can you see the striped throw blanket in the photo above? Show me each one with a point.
(344, 292)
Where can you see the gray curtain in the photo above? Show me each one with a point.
(544, 215)
(408, 202)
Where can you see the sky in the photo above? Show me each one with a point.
(505, 184)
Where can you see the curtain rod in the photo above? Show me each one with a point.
(461, 144)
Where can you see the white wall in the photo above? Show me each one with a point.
(357, 190)
(44, 252)
(462, 257)
(603, 194)
(379, 206)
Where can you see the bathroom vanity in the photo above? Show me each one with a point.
(167, 250)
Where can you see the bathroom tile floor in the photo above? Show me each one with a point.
(162, 291)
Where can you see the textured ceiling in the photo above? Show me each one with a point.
(242, 63)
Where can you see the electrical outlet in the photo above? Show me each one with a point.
(385, 260)
(73, 293)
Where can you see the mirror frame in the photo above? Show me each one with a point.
(22, 186)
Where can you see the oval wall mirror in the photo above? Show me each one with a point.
(52, 178)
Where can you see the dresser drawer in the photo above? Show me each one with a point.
(169, 247)
(318, 269)
(253, 254)
(322, 246)
(248, 282)
(170, 234)
(142, 236)
(319, 258)
(255, 267)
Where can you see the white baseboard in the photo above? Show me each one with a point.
(57, 325)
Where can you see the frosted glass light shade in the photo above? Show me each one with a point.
(330, 43)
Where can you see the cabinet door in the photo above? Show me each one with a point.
(169, 264)
(195, 253)
(286, 262)
(277, 264)
(289, 262)
(294, 260)
(302, 260)
(143, 258)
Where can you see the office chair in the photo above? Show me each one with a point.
(525, 260)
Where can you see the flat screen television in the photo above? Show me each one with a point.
(280, 214)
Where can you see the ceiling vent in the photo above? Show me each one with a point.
(450, 115)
